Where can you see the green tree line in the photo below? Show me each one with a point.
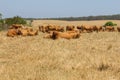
(88, 18)
(5, 23)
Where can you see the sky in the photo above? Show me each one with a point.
(58, 8)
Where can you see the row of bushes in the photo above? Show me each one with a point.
(5, 23)
(15, 20)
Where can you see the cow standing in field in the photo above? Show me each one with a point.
(118, 29)
(49, 27)
(88, 29)
(97, 28)
(55, 28)
(109, 28)
(70, 28)
(80, 28)
(16, 26)
(43, 28)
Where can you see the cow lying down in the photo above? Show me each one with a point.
(22, 32)
(12, 32)
(66, 35)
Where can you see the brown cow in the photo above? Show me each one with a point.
(55, 28)
(28, 28)
(70, 28)
(40, 28)
(23, 31)
(46, 28)
(43, 28)
(97, 28)
(49, 27)
(33, 33)
(61, 29)
(118, 29)
(109, 28)
(52, 27)
(100, 28)
(15, 26)
(48, 36)
(65, 35)
(88, 29)
(75, 31)
(80, 28)
(12, 32)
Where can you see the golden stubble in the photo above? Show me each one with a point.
(94, 56)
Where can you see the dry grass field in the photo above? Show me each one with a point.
(64, 23)
(94, 56)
